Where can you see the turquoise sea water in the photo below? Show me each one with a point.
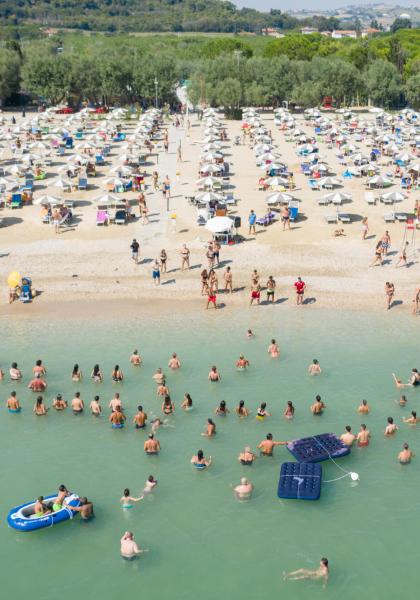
(204, 544)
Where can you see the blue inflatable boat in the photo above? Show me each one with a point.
(23, 517)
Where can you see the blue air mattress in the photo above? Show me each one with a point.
(300, 481)
(317, 448)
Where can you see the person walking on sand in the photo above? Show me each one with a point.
(135, 247)
(163, 259)
(156, 272)
(416, 301)
(300, 290)
(378, 255)
(252, 218)
(389, 292)
(386, 243)
(185, 258)
(271, 288)
(227, 276)
(365, 228)
(285, 217)
(403, 256)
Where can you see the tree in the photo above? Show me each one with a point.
(298, 47)
(219, 46)
(412, 91)
(400, 24)
(397, 54)
(160, 67)
(384, 84)
(48, 76)
(229, 93)
(9, 73)
(336, 78)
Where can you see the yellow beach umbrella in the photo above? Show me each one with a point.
(14, 279)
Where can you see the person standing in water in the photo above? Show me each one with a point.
(95, 407)
(273, 349)
(289, 411)
(363, 437)
(317, 408)
(267, 446)
(214, 375)
(13, 404)
(363, 408)
(129, 548)
(243, 491)
(127, 501)
(140, 418)
(348, 437)
(242, 363)
(405, 455)
(135, 359)
(322, 572)
(174, 362)
(314, 368)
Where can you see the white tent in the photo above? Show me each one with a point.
(220, 225)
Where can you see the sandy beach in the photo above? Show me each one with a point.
(88, 268)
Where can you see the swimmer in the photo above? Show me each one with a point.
(210, 429)
(156, 423)
(262, 412)
(39, 408)
(135, 359)
(241, 409)
(77, 404)
(117, 375)
(250, 334)
(348, 437)
(168, 407)
(162, 390)
(61, 496)
(39, 368)
(222, 410)
(405, 455)
(85, 508)
(247, 457)
(76, 374)
(117, 418)
(96, 374)
(129, 548)
(363, 408)
(41, 509)
(399, 384)
(37, 384)
(317, 408)
(214, 374)
(414, 377)
(174, 362)
(413, 420)
(95, 407)
(150, 485)
(391, 428)
(200, 461)
(321, 573)
(151, 446)
(140, 418)
(289, 411)
(243, 491)
(59, 403)
(273, 349)
(127, 500)
(13, 404)
(15, 372)
(363, 437)
(402, 401)
(242, 363)
(187, 403)
(267, 445)
(1, 374)
(314, 368)
(159, 377)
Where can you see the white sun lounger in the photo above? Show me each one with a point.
(344, 217)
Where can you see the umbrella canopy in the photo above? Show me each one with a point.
(208, 181)
(209, 156)
(47, 200)
(378, 180)
(278, 198)
(322, 167)
(328, 181)
(210, 169)
(8, 184)
(394, 196)
(219, 224)
(337, 197)
(261, 148)
(209, 197)
(107, 199)
(61, 183)
(415, 168)
(404, 157)
(267, 157)
(272, 165)
(275, 181)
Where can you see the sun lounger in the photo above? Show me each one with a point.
(344, 217)
(82, 184)
(332, 218)
(401, 217)
(266, 219)
(323, 201)
(389, 217)
(102, 217)
(370, 198)
(120, 217)
(313, 184)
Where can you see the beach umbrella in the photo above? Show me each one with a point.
(276, 181)
(62, 184)
(272, 165)
(322, 167)
(264, 139)
(404, 157)
(337, 197)
(39, 146)
(415, 168)
(208, 181)
(47, 200)
(219, 224)
(262, 148)
(359, 158)
(209, 197)
(307, 148)
(210, 169)
(267, 157)
(106, 199)
(209, 156)
(328, 181)
(379, 181)
(394, 196)
(8, 184)
(122, 169)
(13, 279)
(278, 198)
(212, 146)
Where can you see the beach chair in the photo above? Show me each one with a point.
(99, 160)
(230, 199)
(332, 218)
(323, 201)
(16, 201)
(102, 217)
(387, 200)
(266, 219)
(389, 217)
(313, 184)
(370, 198)
(293, 211)
(120, 217)
(401, 217)
(82, 185)
(343, 217)
(69, 142)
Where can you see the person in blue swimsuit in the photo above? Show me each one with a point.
(13, 403)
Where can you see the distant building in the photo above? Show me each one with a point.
(272, 32)
(338, 34)
(308, 30)
(369, 31)
(49, 32)
(405, 16)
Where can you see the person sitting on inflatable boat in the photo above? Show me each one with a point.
(59, 501)
(41, 509)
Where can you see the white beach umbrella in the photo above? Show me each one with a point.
(106, 199)
(8, 184)
(404, 157)
(46, 199)
(272, 165)
(415, 168)
(219, 224)
(278, 198)
(267, 157)
(210, 169)
(276, 181)
(328, 181)
(61, 184)
(208, 181)
(262, 148)
(209, 197)
(337, 197)
(321, 167)
(394, 196)
(379, 181)
(209, 156)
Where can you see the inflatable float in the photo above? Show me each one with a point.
(300, 481)
(23, 518)
(318, 448)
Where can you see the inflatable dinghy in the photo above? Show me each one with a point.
(23, 517)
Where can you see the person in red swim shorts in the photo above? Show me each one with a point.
(300, 290)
